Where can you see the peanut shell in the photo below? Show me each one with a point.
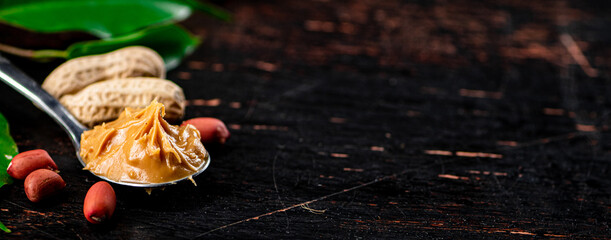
(76, 74)
(105, 100)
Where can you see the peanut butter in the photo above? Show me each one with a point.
(141, 147)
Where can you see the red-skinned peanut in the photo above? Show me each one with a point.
(212, 130)
(26, 162)
(41, 184)
(100, 203)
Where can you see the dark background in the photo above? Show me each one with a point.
(365, 119)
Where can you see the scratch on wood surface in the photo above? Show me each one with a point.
(235, 105)
(555, 235)
(377, 149)
(480, 93)
(547, 140)
(339, 155)
(452, 204)
(22, 207)
(507, 143)
(203, 102)
(553, 111)
(353, 170)
(266, 66)
(276, 187)
(577, 55)
(478, 154)
(150, 223)
(448, 176)
(438, 152)
(585, 127)
(36, 212)
(393, 176)
(453, 177)
(487, 173)
(75, 233)
(46, 233)
(523, 233)
(533, 50)
(440, 225)
(315, 211)
(463, 154)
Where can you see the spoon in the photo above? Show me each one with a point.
(43, 100)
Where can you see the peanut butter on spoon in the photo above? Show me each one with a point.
(141, 147)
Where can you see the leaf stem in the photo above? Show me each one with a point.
(16, 51)
(29, 53)
(50, 53)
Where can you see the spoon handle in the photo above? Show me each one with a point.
(15, 78)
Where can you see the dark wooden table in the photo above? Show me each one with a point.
(365, 119)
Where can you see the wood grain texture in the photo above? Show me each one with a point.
(366, 119)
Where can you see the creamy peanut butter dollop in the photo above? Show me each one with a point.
(141, 147)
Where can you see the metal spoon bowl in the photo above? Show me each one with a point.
(13, 77)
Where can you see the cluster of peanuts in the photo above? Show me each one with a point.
(42, 181)
(98, 88)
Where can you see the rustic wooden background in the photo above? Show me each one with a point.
(365, 119)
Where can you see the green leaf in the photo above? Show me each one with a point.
(102, 18)
(210, 9)
(4, 228)
(8, 149)
(171, 41)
